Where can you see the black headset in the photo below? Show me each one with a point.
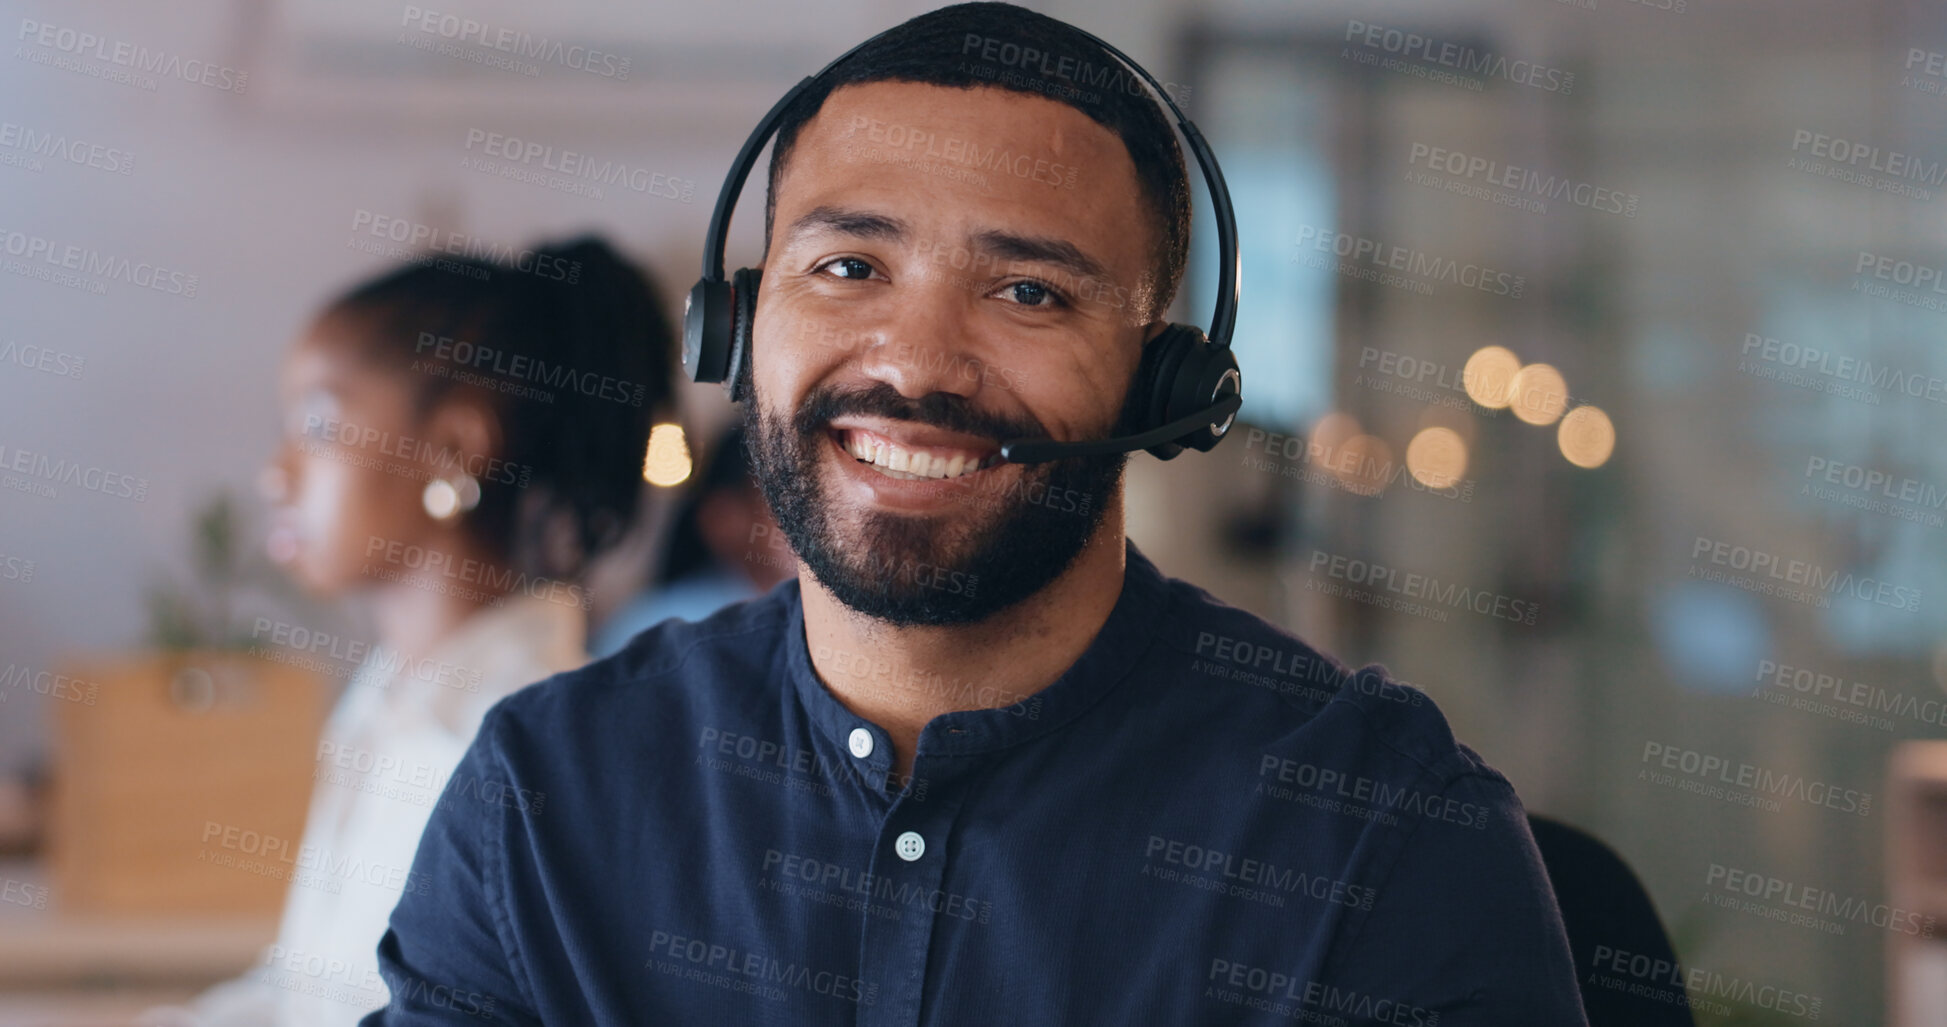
(1187, 386)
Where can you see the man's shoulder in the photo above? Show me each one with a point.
(662, 673)
(1262, 673)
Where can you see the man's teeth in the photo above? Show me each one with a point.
(898, 462)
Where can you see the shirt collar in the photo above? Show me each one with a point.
(1116, 650)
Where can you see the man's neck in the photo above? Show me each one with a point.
(902, 677)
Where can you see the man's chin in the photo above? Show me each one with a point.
(905, 593)
(900, 540)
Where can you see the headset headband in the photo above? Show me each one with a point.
(1222, 322)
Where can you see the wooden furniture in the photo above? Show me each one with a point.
(183, 787)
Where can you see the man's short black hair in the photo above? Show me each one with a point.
(1023, 51)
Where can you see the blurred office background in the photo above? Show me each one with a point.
(1723, 333)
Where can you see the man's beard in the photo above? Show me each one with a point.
(911, 569)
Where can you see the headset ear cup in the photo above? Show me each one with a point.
(706, 330)
(1165, 367)
(1199, 381)
(1220, 377)
(743, 288)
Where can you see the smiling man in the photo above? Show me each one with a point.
(981, 762)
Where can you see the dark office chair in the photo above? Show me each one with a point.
(1604, 905)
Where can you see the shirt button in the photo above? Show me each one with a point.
(861, 742)
(910, 846)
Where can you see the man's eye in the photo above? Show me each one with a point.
(853, 267)
(1030, 293)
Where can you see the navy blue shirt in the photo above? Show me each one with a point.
(1203, 821)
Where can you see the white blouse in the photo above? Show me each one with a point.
(383, 759)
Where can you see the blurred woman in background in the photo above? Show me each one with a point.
(724, 547)
(460, 439)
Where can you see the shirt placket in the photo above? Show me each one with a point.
(909, 862)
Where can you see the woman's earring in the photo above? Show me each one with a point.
(445, 499)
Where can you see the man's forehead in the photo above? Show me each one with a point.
(978, 127)
(1039, 167)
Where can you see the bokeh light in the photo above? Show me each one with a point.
(667, 461)
(1587, 436)
(1437, 457)
(1489, 376)
(1538, 394)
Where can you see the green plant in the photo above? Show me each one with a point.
(203, 614)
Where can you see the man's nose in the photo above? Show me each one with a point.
(927, 344)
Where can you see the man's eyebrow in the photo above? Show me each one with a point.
(1041, 249)
(860, 223)
(1003, 245)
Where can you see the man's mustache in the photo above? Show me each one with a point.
(941, 410)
